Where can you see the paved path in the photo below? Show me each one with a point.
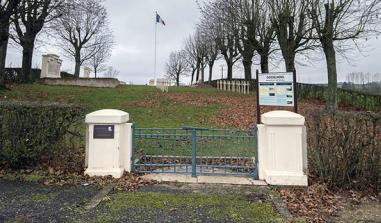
(32, 202)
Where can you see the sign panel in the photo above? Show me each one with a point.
(276, 89)
(104, 131)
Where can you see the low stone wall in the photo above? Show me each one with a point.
(83, 82)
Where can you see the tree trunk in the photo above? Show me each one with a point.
(264, 63)
(202, 72)
(230, 71)
(3, 52)
(247, 63)
(229, 64)
(95, 72)
(178, 80)
(77, 57)
(330, 56)
(27, 56)
(210, 72)
(193, 72)
(198, 71)
(77, 67)
(289, 60)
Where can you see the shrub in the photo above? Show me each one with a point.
(12, 75)
(29, 130)
(345, 148)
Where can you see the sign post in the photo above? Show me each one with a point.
(276, 89)
(258, 105)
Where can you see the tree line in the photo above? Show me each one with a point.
(257, 31)
(79, 27)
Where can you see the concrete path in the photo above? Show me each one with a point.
(182, 178)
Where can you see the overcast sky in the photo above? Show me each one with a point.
(133, 25)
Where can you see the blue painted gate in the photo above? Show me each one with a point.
(195, 151)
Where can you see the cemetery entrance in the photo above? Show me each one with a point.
(195, 151)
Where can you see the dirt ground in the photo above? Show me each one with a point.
(365, 211)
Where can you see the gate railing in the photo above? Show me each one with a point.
(195, 151)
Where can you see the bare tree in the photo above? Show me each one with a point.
(265, 34)
(111, 73)
(243, 19)
(212, 50)
(80, 29)
(188, 57)
(339, 21)
(29, 20)
(7, 9)
(202, 54)
(196, 53)
(102, 54)
(176, 66)
(190, 54)
(293, 28)
(226, 27)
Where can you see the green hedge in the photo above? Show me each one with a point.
(29, 130)
(344, 148)
(355, 99)
(345, 97)
(12, 75)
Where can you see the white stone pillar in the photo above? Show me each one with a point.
(86, 72)
(51, 66)
(282, 149)
(108, 143)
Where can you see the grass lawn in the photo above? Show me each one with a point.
(146, 106)
(169, 207)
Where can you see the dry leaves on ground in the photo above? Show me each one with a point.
(315, 203)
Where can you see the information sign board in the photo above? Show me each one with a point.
(276, 89)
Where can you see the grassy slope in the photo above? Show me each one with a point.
(159, 113)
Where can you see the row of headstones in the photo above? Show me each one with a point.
(51, 67)
(234, 86)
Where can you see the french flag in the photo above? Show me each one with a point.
(159, 19)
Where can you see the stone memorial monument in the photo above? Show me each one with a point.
(51, 66)
(86, 72)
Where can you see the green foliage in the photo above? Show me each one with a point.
(29, 130)
(345, 148)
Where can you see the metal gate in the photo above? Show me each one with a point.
(195, 151)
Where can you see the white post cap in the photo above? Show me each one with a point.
(107, 116)
(282, 118)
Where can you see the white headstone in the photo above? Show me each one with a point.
(51, 66)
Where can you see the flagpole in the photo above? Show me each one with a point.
(154, 69)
